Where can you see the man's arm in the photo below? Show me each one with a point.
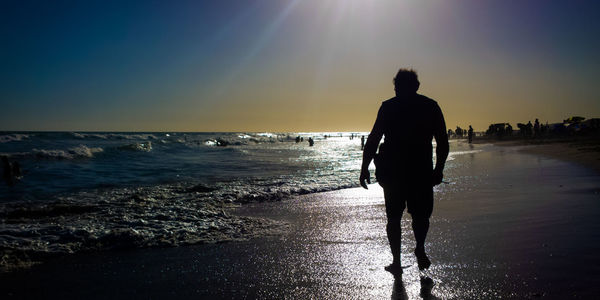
(442, 148)
(371, 148)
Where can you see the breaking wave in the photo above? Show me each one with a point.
(113, 136)
(13, 137)
(145, 147)
(80, 151)
(133, 217)
(99, 191)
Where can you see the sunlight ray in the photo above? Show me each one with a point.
(266, 35)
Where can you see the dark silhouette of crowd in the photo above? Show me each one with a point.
(572, 126)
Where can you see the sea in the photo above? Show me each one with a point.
(91, 191)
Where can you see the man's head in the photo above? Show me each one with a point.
(406, 82)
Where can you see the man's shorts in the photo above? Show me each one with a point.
(418, 197)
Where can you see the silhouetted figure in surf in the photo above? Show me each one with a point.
(311, 142)
(362, 142)
(405, 169)
(470, 134)
(459, 132)
(11, 171)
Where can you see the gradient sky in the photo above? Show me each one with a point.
(291, 65)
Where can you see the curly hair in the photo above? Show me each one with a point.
(406, 81)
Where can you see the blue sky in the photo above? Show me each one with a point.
(279, 65)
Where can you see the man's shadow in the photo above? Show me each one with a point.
(399, 291)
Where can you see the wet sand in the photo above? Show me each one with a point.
(510, 225)
(580, 150)
(586, 155)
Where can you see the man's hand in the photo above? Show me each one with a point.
(365, 176)
(436, 177)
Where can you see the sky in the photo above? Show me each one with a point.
(291, 65)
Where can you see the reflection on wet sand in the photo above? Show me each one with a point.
(399, 291)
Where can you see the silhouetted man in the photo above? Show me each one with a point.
(406, 170)
(536, 128)
(470, 134)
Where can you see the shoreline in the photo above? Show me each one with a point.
(583, 151)
(488, 238)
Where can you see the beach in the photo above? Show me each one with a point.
(510, 225)
(583, 150)
(228, 150)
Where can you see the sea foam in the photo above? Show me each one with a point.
(80, 151)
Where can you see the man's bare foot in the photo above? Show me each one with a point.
(422, 259)
(394, 268)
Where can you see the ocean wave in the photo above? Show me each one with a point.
(246, 139)
(168, 215)
(80, 151)
(132, 217)
(15, 137)
(120, 216)
(113, 136)
(144, 147)
(453, 154)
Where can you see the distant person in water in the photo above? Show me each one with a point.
(405, 169)
(362, 142)
(11, 171)
(311, 142)
(470, 134)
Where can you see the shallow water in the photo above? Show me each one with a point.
(508, 226)
(100, 191)
(96, 191)
(63, 162)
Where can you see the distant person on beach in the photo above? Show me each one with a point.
(405, 170)
(529, 129)
(536, 128)
(470, 134)
(362, 142)
(509, 129)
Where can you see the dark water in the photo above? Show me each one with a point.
(97, 191)
(90, 191)
(64, 162)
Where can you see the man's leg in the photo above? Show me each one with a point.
(394, 207)
(394, 234)
(420, 207)
(420, 227)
